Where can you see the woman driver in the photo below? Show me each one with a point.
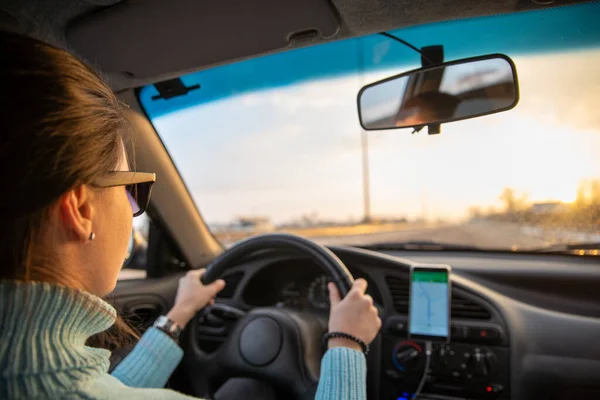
(66, 218)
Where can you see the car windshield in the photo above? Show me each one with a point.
(274, 143)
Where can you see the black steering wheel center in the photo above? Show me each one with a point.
(260, 341)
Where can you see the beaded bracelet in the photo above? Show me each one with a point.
(342, 335)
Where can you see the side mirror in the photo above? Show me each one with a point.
(453, 91)
(136, 251)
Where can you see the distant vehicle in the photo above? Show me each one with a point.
(548, 207)
(254, 224)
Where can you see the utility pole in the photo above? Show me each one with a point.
(365, 176)
(364, 143)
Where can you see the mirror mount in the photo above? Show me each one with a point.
(431, 56)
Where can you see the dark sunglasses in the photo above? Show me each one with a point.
(137, 184)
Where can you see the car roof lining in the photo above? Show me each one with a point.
(138, 42)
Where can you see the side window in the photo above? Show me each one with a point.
(135, 266)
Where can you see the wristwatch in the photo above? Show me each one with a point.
(169, 327)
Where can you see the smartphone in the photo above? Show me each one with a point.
(429, 311)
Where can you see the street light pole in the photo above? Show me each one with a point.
(365, 176)
(364, 143)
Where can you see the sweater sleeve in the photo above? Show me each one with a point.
(343, 375)
(151, 362)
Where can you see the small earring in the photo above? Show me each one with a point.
(92, 236)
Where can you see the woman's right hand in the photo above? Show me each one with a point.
(192, 296)
(355, 315)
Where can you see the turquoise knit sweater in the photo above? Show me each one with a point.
(43, 329)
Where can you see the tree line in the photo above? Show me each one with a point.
(582, 214)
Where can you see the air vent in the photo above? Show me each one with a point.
(466, 309)
(400, 293)
(461, 307)
(231, 283)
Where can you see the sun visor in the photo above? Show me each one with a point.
(145, 39)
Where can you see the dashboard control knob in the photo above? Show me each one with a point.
(407, 356)
(481, 362)
(439, 359)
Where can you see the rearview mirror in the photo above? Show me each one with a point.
(452, 91)
(136, 251)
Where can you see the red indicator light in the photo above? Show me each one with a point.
(488, 389)
(483, 334)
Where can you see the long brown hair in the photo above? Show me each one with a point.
(61, 126)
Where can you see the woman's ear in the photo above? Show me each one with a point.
(76, 212)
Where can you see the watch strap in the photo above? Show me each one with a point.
(168, 326)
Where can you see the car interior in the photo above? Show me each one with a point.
(523, 309)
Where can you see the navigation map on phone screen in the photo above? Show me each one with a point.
(429, 303)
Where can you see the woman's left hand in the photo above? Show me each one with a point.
(192, 296)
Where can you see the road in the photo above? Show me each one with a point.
(483, 234)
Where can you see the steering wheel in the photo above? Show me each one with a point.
(279, 346)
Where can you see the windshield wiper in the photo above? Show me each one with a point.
(584, 248)
(423, 245)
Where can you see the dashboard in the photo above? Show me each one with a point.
(522, 326)
(297, 284)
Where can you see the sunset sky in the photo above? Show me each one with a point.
(294, 150)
